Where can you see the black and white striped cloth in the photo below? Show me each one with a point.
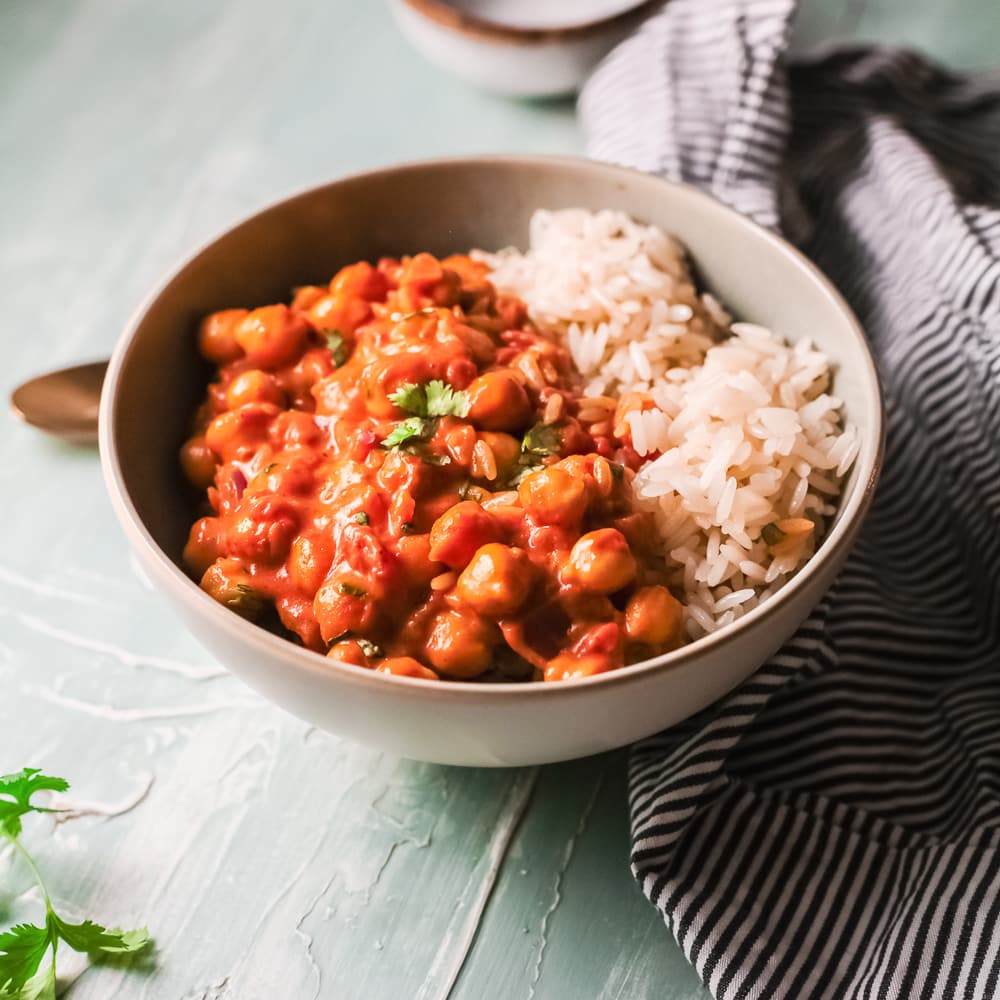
(832, 828)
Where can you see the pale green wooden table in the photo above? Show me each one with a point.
(269, 860)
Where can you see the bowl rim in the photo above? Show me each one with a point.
(464, 22)
(171, 576)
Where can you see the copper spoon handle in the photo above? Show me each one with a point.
(63, 403)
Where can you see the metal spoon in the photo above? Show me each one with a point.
(63, 403)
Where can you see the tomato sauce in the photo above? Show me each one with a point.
(396, 475)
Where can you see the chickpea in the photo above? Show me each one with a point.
(224, 432)
(202, 547)
(343, 605)
(653, 616)
(227, 582)
(311, 368)
(307, 296)
(349, 651)
(481, 346)
(497, 581)
(343, 313)
(406, 666)
(460, 643)
(498, 402)
(198, 462)
(414, 553)
(422, 269)
(297, 615)
(292, 428)
(600, 560)
(215, 338)
(264, 529)
(291, 478)
(309, 561)
(565, 666)
(362, 280)
(460, 372)
(506, 450)
(272, 336)
(553, 496)
(460, 531)
(254, 386)
(246, 426)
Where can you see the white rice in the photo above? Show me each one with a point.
(741, 429)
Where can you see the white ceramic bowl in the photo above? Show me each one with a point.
(156, 379)
(522, 48)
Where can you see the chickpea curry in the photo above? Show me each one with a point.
(397, 474)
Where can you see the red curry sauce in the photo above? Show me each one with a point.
(395, 465)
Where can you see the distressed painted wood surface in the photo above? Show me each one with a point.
(269, 860)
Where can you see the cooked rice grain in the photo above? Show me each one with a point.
(740, 428)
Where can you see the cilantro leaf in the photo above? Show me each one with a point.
(362, 517)
(538, 443)
(16, 791)
(412, 398)
(541, 441)
(771, 534)
(352, 590)
(431, 399)
(91, 938)
(41, 987)
(411, 429)
(22, 949)
(444, 401)
(335, 341)
(369, 648)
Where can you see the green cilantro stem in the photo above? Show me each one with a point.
(20, 849)
(24, 946)
(30, 862)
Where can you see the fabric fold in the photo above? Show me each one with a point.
(830, 829)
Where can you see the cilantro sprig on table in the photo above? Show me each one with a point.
(24, 946)
(425, 401)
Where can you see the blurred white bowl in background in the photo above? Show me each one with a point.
(521, 48)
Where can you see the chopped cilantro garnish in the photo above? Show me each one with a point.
(771, 534)
(411, 429)
(411, 397)
(541, 441)
(362, 518)
(351, 590)
(469, 491)
(443, 401)
(426, 401)
(370, 648)
(431, 399)
(335, 341)
(538, 443)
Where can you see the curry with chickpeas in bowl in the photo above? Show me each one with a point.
(396, 470)
(531, 465)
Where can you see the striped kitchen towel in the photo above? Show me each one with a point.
(831, 829)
